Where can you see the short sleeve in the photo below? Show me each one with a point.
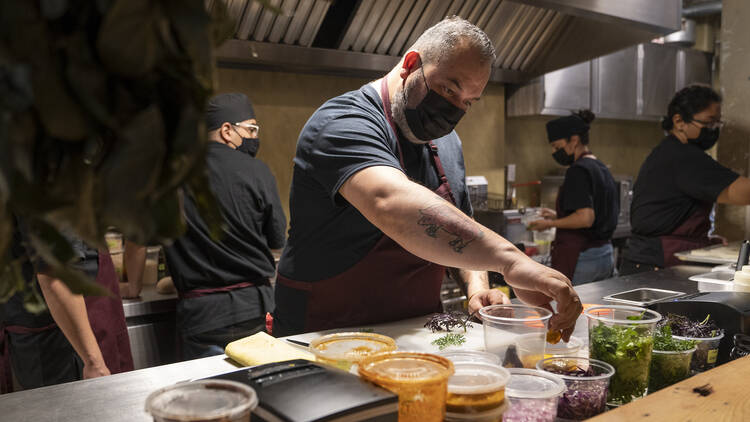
(344, 146)
(577, 191)
(275, 221)
(701, 177)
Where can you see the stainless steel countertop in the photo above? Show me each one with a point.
(150, 302)
(121, 397)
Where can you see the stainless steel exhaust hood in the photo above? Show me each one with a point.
(368, 37)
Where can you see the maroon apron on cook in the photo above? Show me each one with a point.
(388, 284)
(691, 234)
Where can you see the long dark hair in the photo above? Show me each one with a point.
(689, 101)
(587, 116)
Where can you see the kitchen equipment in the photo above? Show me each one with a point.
(622, 336)
(643, 296)
(344, 350)
(477, 187)
(516, 333)
(419, 379)
(299, 390)
(714, 254)
(741, 346)
(532, 395)
(476, 388)
(151, 267)
(586, 384)
(730, 310)
(203, 401)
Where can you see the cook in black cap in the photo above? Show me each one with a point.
(224, 284)
(230, 119)
(587, 204)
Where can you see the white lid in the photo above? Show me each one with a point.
(477, 378)
(470, 356)
(533, 384)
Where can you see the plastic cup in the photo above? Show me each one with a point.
(532, 396)
(203, 401)
(114, 242)
(572, 348)
(515, 333)
(419, 379)
(622, 336)
(476, 388)
(668, 368)
(151, 268)
(458, 356)
(345, 350)
(585, 396)
(706, 353)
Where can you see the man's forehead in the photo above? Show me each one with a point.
(249, 122)
(466, 68)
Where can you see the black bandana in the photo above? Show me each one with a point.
(228, 108)
(565, 127)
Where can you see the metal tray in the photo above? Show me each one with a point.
(643, 296)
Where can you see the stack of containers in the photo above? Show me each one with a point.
(476, 391)
(532, 396)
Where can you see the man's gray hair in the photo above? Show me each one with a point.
(444, 36)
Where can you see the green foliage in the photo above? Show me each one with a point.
(628, 349)
(450, 339)
(664, 341)
(101, 123)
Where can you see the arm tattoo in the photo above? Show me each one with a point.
(442, 217)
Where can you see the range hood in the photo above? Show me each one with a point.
(368, 37)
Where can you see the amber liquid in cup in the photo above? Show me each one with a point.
(474, 403)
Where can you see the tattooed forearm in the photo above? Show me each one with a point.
(442, 217)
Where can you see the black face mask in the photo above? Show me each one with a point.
(706, 139)
(248, 145)
(563, 158)
(434, 117)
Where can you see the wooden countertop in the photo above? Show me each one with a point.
(730, 400)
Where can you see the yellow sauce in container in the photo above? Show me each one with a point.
(343, 350)
(476, 388)
(419, 379)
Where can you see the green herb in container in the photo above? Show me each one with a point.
(670, 361)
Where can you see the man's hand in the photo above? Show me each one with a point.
(540, 225)
(95, 370)
(486, 297)
(538, 285)
(125, 291)
(548, 213)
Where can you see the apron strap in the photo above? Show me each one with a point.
(441, 174)
(192, 294)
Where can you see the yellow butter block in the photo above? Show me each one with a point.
(261, 348)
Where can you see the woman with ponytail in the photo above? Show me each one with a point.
(679, 183)
(587, 204)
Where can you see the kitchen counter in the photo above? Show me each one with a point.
(149, 302)
(121, 397)
(151, 327)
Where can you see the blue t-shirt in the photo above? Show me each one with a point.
(347, 134)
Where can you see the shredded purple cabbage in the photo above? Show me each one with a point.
(530, 410)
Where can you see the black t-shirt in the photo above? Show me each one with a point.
(674, 181)
(589, 184)
(345, 135)
(254, 223)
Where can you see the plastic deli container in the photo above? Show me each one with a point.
(706, 353)
(151, 268)
(202, 401)
(622, 336)
(419, 379)
(516, 333)
(668, 368)
(532, 396)
(572, 348)
(457, 356)
(476, 389)
(586, 385)
(344, 350)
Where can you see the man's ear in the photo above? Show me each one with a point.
(412, 62)
(225, 133)
(677, 121)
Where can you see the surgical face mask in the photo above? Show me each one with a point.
(563, 158)
(248, 145)
(706, 138)
(434, 117)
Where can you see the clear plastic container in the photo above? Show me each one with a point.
(202, 401)
(532, 396)
(114, 242)
(503, 327)
(706, 353)
(419, 379)
(344, 350)
(622, 336)
(457, 356)
(489, 416)
(668, 368)
(151, 268)
(572, 348)
(586, 385)
(476, 388)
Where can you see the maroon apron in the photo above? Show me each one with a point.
(107, 319)
(691, 234)
(192, 294)
(569, 243)
(388, 284)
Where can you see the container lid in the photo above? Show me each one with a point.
(600, 369)
(456, 356)
(619, 314)
(515, 314)
(351, 346)
(405, 368)
(563, 348)
(533, 384)
(202, 400)
(714, 338)
(477, 378)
